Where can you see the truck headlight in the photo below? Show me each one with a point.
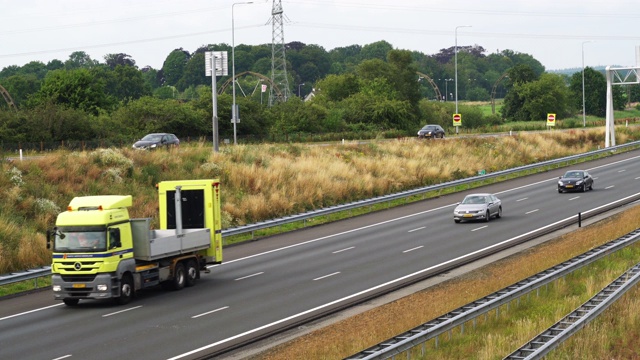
(56, 288)
(102, 287)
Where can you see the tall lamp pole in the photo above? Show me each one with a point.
(299, 88)
(456, 66)
(584, 114)
(234, 113)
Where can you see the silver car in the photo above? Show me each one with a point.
(478, 207)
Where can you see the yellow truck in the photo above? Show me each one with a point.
(101, 253)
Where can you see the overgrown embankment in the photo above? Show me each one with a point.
(258, 181)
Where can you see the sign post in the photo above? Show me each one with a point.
(457, 121)
(215, 64)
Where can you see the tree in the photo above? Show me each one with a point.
(79, 59)
(376, 50)
(512, 107)
(128, 83)
(335, 88)
(149, 114)
(77, 89)
(151, 77)
(595, 92)
(549, 94)
(21, 87)
(113, 60)
(193, 73)
(403, 76)
(174, 65)
(36, 68)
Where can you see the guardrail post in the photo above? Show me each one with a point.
(579, 219)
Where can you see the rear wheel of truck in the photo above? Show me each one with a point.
(192, 272)
(179, 276)
(71, 302)
(126, 290)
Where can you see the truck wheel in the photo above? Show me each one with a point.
(179, 276)
(126, 290)
(71, 302)
(192, 273)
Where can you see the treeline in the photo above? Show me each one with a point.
(355, 90)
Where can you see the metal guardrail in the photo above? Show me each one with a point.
(458, 317)
(577, 319)
(25, 275)
(250, 228)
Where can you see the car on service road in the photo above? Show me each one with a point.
(431, 131)
(157, 140)
(579, 180)
(478, 207)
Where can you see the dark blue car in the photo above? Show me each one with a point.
(154, 141)
(575, 180)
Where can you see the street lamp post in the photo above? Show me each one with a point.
(456, 66)
(584, 114)
(234, 113)
(446, 90)
(299, 88)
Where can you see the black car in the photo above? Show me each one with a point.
(153, 141)
(431, 131)
(575, 180)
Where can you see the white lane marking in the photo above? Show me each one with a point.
(609, 187)
(420, 228)
(573, 198)
(374, 288)
(623, 170)
(63, 357)
(326, 276)
(121, 311)
(248, 276)
(30, 311)
(523, 199)
(480, 228)
(638, 178)
(209, 312)
(339, 251)
(415, 248)
(531, 212)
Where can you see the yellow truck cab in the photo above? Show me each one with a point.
(100, 253)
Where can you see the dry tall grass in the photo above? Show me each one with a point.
(264, 181)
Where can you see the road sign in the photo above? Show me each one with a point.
(221, 63)
(457, 119)
(551, 119)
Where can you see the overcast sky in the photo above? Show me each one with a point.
(555, 32)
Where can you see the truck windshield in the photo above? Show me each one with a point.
(67, 240)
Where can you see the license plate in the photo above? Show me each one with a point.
(467, 215)
(79, 286)
(569, 186)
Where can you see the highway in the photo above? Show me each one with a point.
(283, 280)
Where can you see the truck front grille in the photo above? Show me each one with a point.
(79, 278)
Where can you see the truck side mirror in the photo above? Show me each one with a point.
(49, 233)
(114, 238)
